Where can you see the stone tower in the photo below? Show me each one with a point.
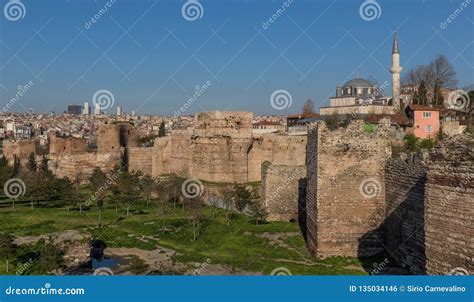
(396, 70)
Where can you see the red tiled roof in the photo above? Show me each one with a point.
(398, 119)
(422, 108)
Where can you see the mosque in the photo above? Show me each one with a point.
(361, 96)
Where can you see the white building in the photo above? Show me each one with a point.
(86, 110)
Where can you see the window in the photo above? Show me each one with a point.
(426, 114)
(428, 128)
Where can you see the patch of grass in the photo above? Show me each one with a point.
(242, 245)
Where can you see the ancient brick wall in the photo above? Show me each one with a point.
(281, 193)
(345, 195)
(140, 159)
(405, 179)
(21, 148)
(66, 146)
(220, 148)
(449, 208)
(80, 166)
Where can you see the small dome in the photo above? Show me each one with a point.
(358, 82)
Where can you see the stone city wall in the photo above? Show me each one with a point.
(405, 180)
(282, 191)
(345, 193)
(449, 208)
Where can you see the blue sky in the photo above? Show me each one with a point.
(151, 58)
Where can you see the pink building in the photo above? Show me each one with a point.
(425, 120)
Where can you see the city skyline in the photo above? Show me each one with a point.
(153, 60)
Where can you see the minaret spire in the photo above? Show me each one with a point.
(396, 71)
(395, 44)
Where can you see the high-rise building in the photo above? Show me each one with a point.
(119, 110)
(97, 109)
(74, 109)
(86, 110)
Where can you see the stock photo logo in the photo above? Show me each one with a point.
(103, 271)
(281, 99)
(281, 271)
(192, 10)
(103, 99)
(14, 188)
(14, 10)
(459, 100)
(370, 10)
(370, 188)
(458, 271)
(192, 188)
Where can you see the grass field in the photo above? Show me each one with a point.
(243, 245)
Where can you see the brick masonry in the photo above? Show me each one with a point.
(345, 191)
(282, 191)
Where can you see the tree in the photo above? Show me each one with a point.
(44, 165)
(98, 181)
(147, 185)
(243, 197)
(7, 248)
(438, 70)
(308, 108)
(51, 257)
(162, 130)
(31, 164)
(228, 196)
(438, 99)
(421, 97)
(16, 166)
(258, 212)
(443, 73)
(194, 210)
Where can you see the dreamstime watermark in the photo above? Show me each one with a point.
(277, 14)
(444, 24)
(458, 271)
(103, 271)
(370, 188)
(14, 188)
(21, 91)
(198, 92)
(23, 267)
(103, 99)
(111, 180)
(192, 188)
(378, 267)
(14, 10)
(281, 271)
(201, 267)
(192, 10)
(370, 10)
(45, 290)
(88, 24)
(459, 100)
(281, 99)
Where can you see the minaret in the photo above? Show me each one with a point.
(395, 70)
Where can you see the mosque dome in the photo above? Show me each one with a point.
(358, 83)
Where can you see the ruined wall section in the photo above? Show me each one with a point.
(80, 166)
(221, 148)
(278, 149)
(346, 192)
(66, 145)
(405, 179)
(281, 192)
(20, 148)
(449, 208)
(140, 159)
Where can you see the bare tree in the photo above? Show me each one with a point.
(308, 108)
